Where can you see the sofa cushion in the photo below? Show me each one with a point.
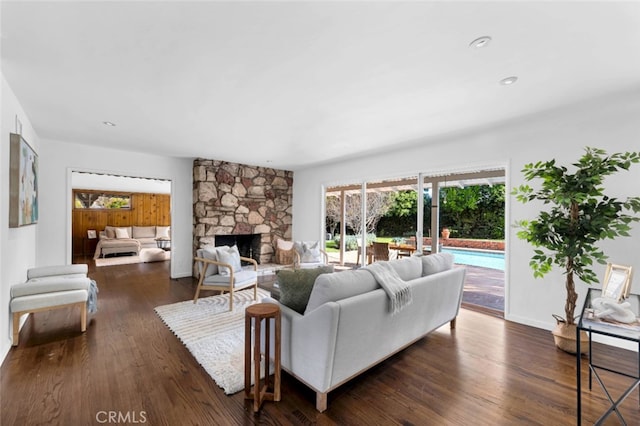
(296, 285)
(231, 256)
(436, 262)
(143, 232)
(408, 268)
(340, 285)
(163, 232)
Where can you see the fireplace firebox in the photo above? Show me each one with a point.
(248, 244)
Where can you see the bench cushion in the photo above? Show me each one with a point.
(52, 284)
(47, 300)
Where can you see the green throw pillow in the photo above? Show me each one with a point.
(296, 286)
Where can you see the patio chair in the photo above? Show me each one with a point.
(380, 251)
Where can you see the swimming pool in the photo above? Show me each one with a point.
(485, 259)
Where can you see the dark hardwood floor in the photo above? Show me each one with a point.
(485, 372)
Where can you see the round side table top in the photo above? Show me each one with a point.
(262, 310)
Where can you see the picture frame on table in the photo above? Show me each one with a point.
(617, 282)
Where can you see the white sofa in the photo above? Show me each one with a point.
(347, 326)
(130, 239)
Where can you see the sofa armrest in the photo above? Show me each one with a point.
(308, 344)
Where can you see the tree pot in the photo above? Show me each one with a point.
(564, 336)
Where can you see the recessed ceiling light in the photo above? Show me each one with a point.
(480, 42)
(508, 81)
(108, 123)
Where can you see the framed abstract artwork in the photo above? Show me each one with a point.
(23, 183)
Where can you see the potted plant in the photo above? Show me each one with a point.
(445, 232)
(579, 215)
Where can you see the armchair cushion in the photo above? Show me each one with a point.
(229, 255)
(239, 278)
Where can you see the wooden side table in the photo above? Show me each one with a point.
(261, 392)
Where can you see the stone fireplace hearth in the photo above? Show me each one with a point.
(232, 200)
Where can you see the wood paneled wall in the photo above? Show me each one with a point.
(146, 210)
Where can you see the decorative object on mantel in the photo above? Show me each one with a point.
(580, 215)
(23, 183)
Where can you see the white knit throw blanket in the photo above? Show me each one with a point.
(397, 289)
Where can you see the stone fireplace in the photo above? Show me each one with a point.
(234, 200)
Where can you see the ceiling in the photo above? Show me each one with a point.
(289, 85)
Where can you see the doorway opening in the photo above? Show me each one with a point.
(119, 219)
(460, 213)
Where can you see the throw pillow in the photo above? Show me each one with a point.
(121, 233)
(284, 245)
(296, 285)
(211, 254)
(311, 253)
(110, 231)
(229, 255)
(284, 252)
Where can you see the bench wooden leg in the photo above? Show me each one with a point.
(16, 328)
(452, 324)
(83, 316)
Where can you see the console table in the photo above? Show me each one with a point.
(593, 325)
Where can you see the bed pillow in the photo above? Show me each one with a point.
(296, 285)
(229, 255)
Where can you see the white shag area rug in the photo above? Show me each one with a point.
(127, 260)
(213, 334)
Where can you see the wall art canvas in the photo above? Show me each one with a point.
(23, 183)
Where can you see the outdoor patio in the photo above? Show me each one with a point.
(484, 287)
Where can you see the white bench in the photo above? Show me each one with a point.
(51, 287)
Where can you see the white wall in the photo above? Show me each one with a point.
(610, 123)
(58, 159)
(17, 245)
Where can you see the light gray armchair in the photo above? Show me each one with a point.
(219, 268)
